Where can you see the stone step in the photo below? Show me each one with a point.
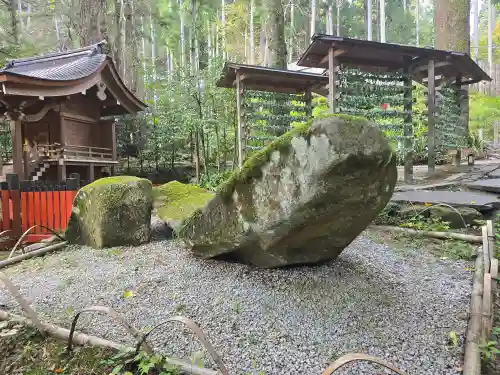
(478, 200)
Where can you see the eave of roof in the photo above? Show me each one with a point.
(366, 54)
(270, 79)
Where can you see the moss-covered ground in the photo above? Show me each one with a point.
(26, 352)
(177, 201)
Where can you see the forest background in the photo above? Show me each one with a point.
(170, 53)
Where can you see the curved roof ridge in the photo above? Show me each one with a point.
(96, 48)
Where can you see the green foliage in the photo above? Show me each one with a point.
(420, 222)
(490, 349)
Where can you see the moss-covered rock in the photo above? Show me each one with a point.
(302, 199)
(457, 216)
(112, 211)
(176, 201)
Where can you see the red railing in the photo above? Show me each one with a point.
(44, 204)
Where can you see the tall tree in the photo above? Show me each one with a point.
(276, 42)
(452, 20)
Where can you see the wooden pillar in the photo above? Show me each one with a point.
(431, 109)
(495, 132)
(458, 87)
(408, 127)
(113, 147)
(332, 81)
(91, 172)
(17, 147)
(61, 167)
(61, 170)
(240, 124)
(308, 102)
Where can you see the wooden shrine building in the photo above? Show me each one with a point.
(57, 105)
(428, 66)
(369, 79)
(261, 79)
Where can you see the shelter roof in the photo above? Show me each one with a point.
(68, 73)
(271, 79)
(375, 56)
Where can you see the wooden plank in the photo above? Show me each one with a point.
(486, 250)
(50, 208)
(24, 210)
(6, 224)
(431, 108)
(113, 140)
(487, 315)
(491, 239)
(494, 276)
(57, 209)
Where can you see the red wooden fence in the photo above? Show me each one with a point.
(44, 204)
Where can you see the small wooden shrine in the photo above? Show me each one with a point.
(365, 78)
(57, 105)
(365, 68)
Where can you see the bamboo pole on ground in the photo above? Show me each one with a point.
(440, 235)
(83, 339)
(472, 357)
(32, 254)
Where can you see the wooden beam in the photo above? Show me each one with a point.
(431, 109)
(238, 116)
(332, 81)
(336, 53)
(436, 66)
(17, 147)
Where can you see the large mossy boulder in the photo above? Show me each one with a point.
(176, 201)
(300, 200)
(111, 211)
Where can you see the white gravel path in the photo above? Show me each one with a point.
(371, 299)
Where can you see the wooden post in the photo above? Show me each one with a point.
(408, 127)
(495, 132)
(458, 87)
(238, 115)
(91, 172)
(308, 102)
(17, 147)
(431, 109)
(113, 147)
(15, 197)
(61, 167)
(332, 81)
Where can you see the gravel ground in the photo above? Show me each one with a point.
(372, 299)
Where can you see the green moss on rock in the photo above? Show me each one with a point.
(302, 199)
(112, 211)
(252, 167)
(178, 201)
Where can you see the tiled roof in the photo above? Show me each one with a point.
(62, 66)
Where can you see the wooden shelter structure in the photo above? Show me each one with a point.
(431, 67)
(56, 105)
(251, 77)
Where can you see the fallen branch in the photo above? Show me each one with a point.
(32, 254)
(83, 339)
(440, 235)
